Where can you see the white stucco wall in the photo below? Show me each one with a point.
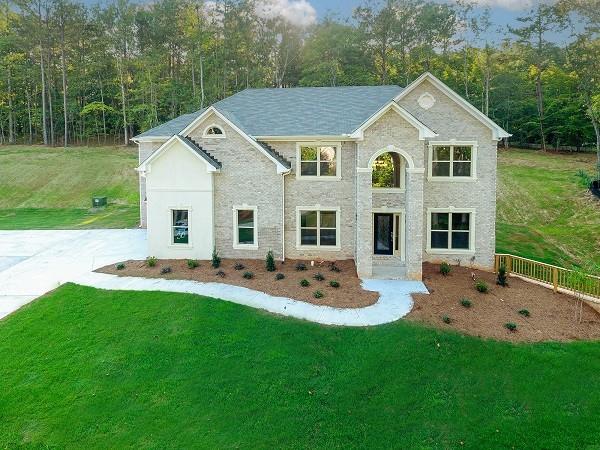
(178, 179)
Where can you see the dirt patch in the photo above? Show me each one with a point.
(349, 294)
(552, 316)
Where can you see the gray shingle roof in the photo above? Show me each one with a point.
(201, 152)
(311, 111)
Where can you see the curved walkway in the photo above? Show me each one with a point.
(394, 301)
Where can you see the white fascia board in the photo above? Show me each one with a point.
(151, 139)
(497, 131)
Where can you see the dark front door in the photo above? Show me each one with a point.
(383, 228)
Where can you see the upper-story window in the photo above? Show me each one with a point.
(318, 161)
(452, 160)
(213, 131)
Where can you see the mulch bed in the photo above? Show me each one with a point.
(552, 316)
(350, 294)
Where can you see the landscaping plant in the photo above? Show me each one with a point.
(318, 294)
(511, 326)
(304, 283)
(524, 312)
(220, 274)
(334, 284)
(318, 276)
(279, 276)
(502, 276)
(445, 268)
(192, 263)
(481, 286)
(151, 261)
(216, 259)
(120, 266)
(239, 266)
(165, 270)
(334, 268)
(248, 275)
(466, 302)
(446, 319)
(270, 262)
(300, 266)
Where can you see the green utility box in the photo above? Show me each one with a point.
(98, 202)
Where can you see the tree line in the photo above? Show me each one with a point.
(77, 74)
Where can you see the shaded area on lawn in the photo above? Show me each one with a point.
(89, 368)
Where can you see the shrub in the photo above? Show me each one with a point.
(446, 319)
(248, 275)
(445, 268)
(466, 302)
(216, 259)
(120, 266)
(511, 326)
(524, 312)
(334, 284)
(192, 263)
(220, 274)
(304, 283)
(270, 262)
(334, 268)
(318, 276)
(279, 276)
(151, 261)
(584, 179)
(300, 267)
(239, 266)
(318, 294)
(165, 270)
(502, 277)
(481, 286)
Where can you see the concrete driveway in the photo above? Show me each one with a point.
(34, 262)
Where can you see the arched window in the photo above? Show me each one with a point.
(388, 171)
(213, 131)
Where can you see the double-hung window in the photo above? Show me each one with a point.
(321, 161)
(452, 160)
(245, 230)
(318, 228)
(180, 226)
(450, 231)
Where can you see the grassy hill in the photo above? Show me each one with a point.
(44, 187)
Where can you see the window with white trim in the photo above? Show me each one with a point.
(213, 131)
(451, 161)
(450, 231)
(180, 226)
(245, 230)
(318, 161)
(318, 228)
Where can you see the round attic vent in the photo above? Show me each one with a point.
(426, 100)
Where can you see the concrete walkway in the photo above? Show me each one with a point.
(35, 262)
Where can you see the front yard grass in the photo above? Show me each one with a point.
(52, 188)
(86, 368)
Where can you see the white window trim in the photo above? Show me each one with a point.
(236, 244)
(319, 208)
(401, 212)
(450, 251)
(205, 134)
(171, 227)
(338, 161)
(453, 143)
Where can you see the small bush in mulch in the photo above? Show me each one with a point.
(481, 286)
(334, 284)
(120, 266)
(165, 270)
(334, 268)
(192, 263)
(220, 274)
(502, 277)
(318, 276)
(279, 276)
(216, 259)
(248, 275)
(300, 267)
(524, 312)
(304, 283)
(446, 319)
(239, 266)
(510, 326)
(466, 302)
(318, 294)
(270, 262)
(151, 261)
(445, 268)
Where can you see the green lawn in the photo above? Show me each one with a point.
(85, 368)
(43, 187)
(543, 213)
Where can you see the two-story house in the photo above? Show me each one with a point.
(384, 175)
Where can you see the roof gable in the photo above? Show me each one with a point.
(212, 165)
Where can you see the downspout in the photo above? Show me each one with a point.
(283, 214)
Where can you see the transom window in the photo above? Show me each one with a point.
(214, 131)
(318, 161)
(452, 161)
(245, 227)
(180, 226)
(450, 231)
(318, 228)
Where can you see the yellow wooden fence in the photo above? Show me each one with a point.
(556, 277)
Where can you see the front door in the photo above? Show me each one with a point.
(383, 227)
